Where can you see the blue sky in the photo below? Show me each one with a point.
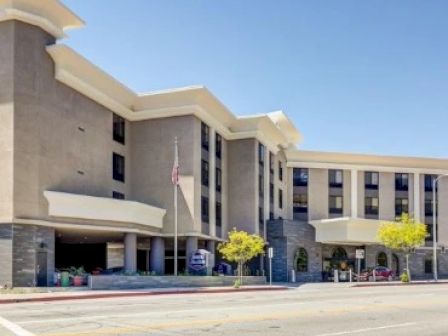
(354, 76)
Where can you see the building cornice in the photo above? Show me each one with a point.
(274, 129)
(363, 162)
(50, 15)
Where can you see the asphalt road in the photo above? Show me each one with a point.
(312, 310)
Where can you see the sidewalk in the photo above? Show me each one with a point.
(57, 294)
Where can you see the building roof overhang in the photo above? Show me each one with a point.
(50, 15)
(274, 129)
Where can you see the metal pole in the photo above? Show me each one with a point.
(175, 210)
(270, 271)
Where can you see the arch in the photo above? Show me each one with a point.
(301, 260)
(339, 253)
(381, 259)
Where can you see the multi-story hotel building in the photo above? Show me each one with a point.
(85, 166)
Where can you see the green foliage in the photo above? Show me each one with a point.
(403, 235)
(404, 277)
(241, 247)
(237, 283)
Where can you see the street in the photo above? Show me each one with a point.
(313, 309)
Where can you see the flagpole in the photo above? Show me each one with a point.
(176, 160)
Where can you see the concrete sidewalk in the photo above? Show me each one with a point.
(84, 293)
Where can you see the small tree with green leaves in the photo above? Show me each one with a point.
(403, 235)
(240, 248)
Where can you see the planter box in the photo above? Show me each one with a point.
(136, 281)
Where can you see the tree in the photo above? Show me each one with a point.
(403, 235)
(240, 248)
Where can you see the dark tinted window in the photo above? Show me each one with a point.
(300, 177)
(401, 181)
(118, 167)
(204, 209)
(117, 195)
(218, 145)
(371, 180)
(205, 136)
(335, 204)
(335, 178)
(118, 129)
(204, 173)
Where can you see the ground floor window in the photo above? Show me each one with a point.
(428, 265)
(381, 259)
(339, 253)
(301, 260)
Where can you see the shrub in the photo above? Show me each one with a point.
(237, 283)
(404, 277)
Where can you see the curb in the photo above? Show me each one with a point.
(136, 294)
(399, 284)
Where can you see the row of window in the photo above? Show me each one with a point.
(205, 176)
(205, 140)
(371, 179)
(205, 215)
(261, 154)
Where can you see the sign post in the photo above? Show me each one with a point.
(360, 254)
(270, 256)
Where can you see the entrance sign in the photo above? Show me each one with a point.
(360, 254)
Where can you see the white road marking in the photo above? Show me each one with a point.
(358, 331)
(16, 329)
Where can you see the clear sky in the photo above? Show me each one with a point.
(354, 76)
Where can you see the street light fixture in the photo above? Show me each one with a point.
(434, 224)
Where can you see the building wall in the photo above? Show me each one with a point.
(387, 196)
(62, 140)
(6, 119)
(318, 194)
(243, 185)
(152, 157)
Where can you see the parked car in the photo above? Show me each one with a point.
(381, 273)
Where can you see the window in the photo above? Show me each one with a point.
(381, 259)
(335, 205)
(371, 206)
(118, 167)
(204, 173)
(271, 215)
(218, 179)
(118, 129)
(205, 136)
(371, 180)
(401, 206)
(204, 209)
(429, 233)
(261, 150)
(339, 253)
(401, 182)
(261, 185)
(335, 178)
(280, 199)
(280, 171)
(301, 260)
(271, 192)
(300, 203)
(429, 211)
(271, 163)
(218, 145)
(117, 195)
(218, 214)
(300, 177)
(429, 180)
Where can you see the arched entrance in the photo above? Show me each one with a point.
(381, 259)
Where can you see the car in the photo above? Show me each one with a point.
(381, 273)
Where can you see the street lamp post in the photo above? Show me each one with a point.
(434, 224)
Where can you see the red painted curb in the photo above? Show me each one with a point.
(401, 284)
(134, 294)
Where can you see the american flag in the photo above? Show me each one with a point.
(175, 172)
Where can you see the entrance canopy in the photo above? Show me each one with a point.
(84, 207)
(346, 230)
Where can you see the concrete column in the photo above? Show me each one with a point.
(191, 247)
(211, 247)
(157, 255)
(417, 213)
(354, 193)
(266, 191)
(130, 252)
(212, 183)
(224, 190)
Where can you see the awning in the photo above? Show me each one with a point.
(84, 207)
(346, 230)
